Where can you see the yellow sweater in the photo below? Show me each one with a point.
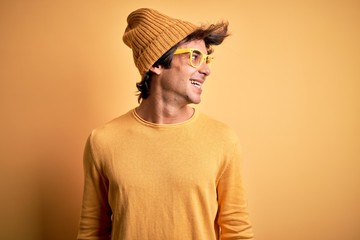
(146, 181)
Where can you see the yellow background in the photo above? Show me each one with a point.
(287, 80)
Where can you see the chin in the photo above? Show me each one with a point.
(197, 101)
(193, 99)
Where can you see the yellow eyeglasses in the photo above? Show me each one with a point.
(196, 57)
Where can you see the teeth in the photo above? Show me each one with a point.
(195, 83)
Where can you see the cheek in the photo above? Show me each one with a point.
(184, 73)
(193, 71)
(186, 70)
(187, 75)
(181, 71)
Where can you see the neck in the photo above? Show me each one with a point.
(159, 113)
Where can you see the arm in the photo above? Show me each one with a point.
(233, 217)
(95, 221)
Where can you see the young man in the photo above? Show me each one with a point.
(163, 170)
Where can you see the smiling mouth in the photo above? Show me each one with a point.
(196, 83)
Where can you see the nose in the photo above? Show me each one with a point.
(204, 69)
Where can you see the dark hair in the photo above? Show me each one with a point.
(212, 35)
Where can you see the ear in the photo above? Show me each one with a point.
(157, 70)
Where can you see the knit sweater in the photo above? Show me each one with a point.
(151, 181)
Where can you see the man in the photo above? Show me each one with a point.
(163, 170)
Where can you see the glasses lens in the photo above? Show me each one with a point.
(196, 58)
(208, 59)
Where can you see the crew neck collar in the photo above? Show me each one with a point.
(164, 126)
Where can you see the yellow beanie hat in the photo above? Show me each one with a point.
(150, 34)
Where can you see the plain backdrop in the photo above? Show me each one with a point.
(287, 80)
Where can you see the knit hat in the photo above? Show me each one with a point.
(150, 34)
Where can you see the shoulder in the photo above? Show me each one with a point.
(116, 127)
(217, 129)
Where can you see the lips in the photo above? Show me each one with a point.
(196, 83)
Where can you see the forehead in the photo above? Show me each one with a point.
(198, 44)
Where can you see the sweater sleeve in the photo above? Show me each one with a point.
(233, 217)
(95, 220)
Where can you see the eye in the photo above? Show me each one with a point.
(207, 60)
(196, 55)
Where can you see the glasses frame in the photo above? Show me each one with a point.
(204, 57)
